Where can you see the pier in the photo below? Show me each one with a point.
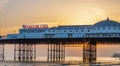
(25, 49)
(57, 38)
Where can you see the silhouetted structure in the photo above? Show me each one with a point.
(106, 31)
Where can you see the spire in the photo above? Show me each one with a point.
(107, 18)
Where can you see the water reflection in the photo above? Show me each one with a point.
(72, 54)
(12, 63)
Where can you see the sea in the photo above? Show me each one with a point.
(73, 56)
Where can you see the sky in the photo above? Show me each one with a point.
(14, 13)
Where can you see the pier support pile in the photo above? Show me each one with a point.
(56, 52)
(89, 52)
(1, 51)
(24, 52)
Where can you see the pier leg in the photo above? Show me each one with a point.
(1, 51)
(14, 52)
(89, 52)
(17, 52)
(62, 50)
(56, 52)
(49, 55)
(25, 52)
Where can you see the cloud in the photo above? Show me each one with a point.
(3, 3)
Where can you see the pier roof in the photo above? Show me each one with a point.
(107, 23)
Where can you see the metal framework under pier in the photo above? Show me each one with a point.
(24, 52)
(2, 51)
(56, 52)
(25, 49)
(89, 52)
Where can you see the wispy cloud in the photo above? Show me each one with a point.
(3, 3)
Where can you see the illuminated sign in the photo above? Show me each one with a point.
(35, 26)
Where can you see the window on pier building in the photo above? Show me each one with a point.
(88, 30)
(32, 31)
(53, 31)
(41, 31)
(70, 30)
(98, 28)
(119, 34)
(82, 30)
(76, 30)
(70, 35)
(114, 28)
(103, 28)
(109, 35)
(49, 35)
(64, 30)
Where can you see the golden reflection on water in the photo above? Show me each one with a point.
(104, 53)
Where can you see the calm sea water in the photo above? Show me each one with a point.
(104, 53)
(11, 63)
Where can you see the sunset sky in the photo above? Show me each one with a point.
(14, 13)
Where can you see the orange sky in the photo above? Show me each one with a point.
(14, 13)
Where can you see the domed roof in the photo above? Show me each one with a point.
(107, 23)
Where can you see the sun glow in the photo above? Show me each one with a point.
(10, 30)
(91, 16)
